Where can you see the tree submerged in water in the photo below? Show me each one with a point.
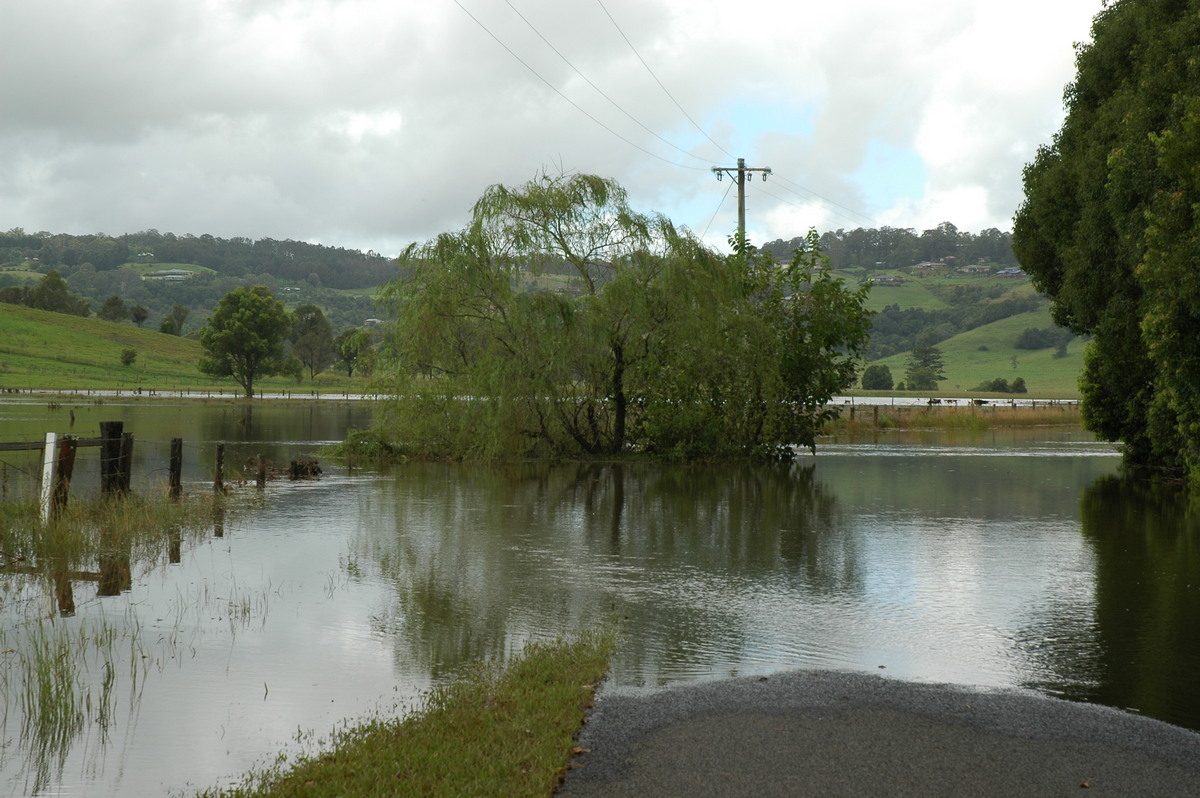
(560, 322)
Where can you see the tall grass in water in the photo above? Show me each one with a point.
(60, 672)
(507, 732)
(866, 418)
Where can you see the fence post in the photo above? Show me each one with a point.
(110, 456)
(262, 472)
(62, 474)
(175, 476)
(218, 476)
(126, 464)
(49, 457)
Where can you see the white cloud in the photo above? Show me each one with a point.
(369, 124)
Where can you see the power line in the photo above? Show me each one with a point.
(824, 200)
(568, 99)
(795, 188)
(739, 173)
(599, 91)
(720, 205)
(659, 82)
(826, 211)
(828, 205)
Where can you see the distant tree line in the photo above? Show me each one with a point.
(894, 248)
(50, 293)
(895, 330)
(295, 261)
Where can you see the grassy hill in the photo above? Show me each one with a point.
(54, 351)
(910, 294)
(987, 353)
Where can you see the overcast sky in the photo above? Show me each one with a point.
(373, 123)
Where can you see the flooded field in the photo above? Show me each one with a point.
(998, 558)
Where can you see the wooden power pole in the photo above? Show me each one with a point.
(738, 173)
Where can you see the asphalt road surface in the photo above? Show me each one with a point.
(824, 733)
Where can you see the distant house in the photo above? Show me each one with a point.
(886, 279)
(169, 275)
(372, 322)
(975, 269)
(1011, 273)
(929, 266)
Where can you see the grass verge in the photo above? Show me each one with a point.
(866, 418)
(495, 731)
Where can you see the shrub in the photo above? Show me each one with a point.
(998, 385)
(128, 356)
(1033, 338)
(877, 378)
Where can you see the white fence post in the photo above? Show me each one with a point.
(49, 460)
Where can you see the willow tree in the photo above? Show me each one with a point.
(560, 322)
(1110, 224)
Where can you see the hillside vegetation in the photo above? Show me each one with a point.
(987, 353)
(56, 351)
(974, 319)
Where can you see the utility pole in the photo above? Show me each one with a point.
(741, 170)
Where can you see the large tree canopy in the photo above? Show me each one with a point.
(561, 322)
(1110, 222)
(244, 337)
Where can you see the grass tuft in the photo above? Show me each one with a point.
(867, 418)
(495, 731)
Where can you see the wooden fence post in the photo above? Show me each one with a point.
(125, 467)
(110, 457)
(262, 472)
(218, 477)
(175, 475)
(62, 474)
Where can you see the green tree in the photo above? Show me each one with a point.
(113, 309)
(51, 294)
(998, 385)
(312, 339)
(654, 342)
(354, 350)
(877, 378)
(244, 337)
(924, 369)
(139, 314)
(1109, 225)
(178, 316)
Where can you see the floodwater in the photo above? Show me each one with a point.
(1007, 558)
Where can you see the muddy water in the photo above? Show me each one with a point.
(1007, 558)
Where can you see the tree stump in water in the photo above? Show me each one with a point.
(304, 469)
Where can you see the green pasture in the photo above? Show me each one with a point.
(55, 351)
(910, 294)
(22, 276)
(987, 353)
(919, 292)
